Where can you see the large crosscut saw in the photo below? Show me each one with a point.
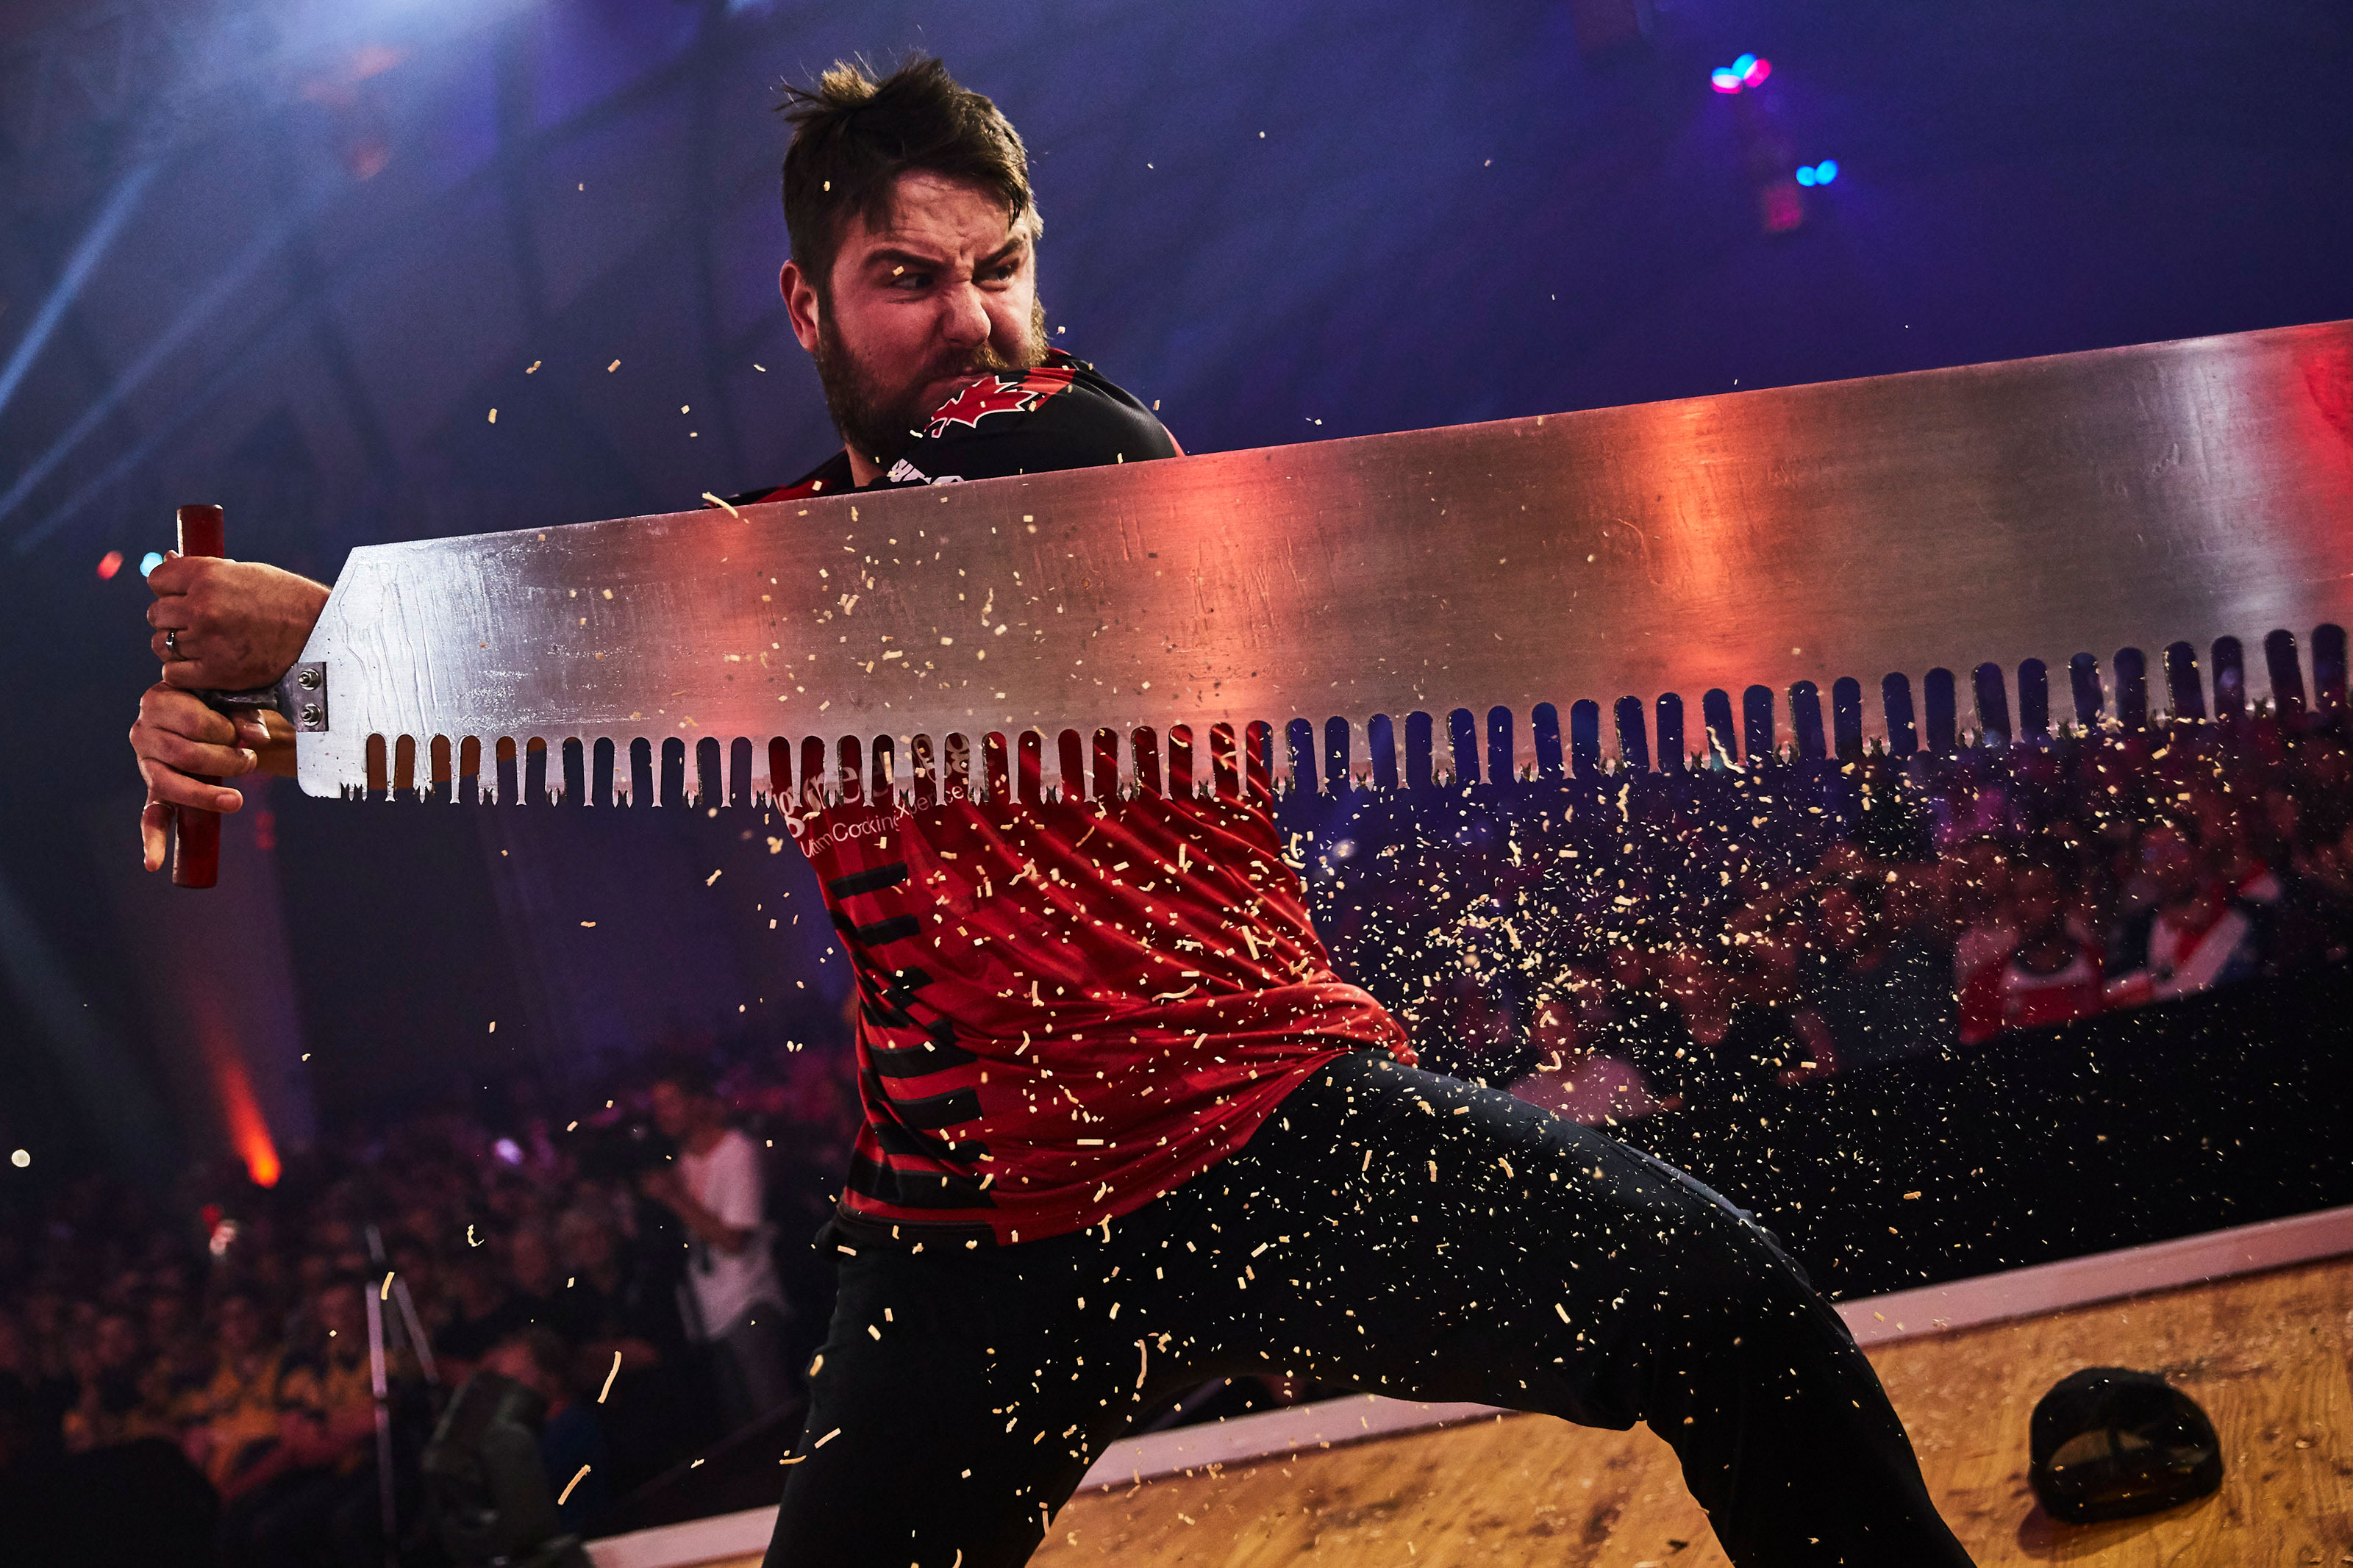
(2086, 538)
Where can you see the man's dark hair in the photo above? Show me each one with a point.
(548, 1354)
(690, 1076)
(854, 136)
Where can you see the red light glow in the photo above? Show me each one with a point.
(108, 565)
(240, 1112)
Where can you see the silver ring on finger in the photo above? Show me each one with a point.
(172, 642)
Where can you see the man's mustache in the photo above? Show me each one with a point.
(983, 361)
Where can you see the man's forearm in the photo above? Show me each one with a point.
(708, 1227)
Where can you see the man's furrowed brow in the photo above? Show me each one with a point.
(1013, 249)
(892, 259)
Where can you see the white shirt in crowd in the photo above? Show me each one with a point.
(725, 1289)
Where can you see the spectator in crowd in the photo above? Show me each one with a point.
(1574, 1075)
(483, 1309)
(570, 1442)
(532, 1277)
(716, 1189)
(622, 1315)
(2054, 975)
(1886, 996)
(320, 1506)
(2197, 931)
(121, 1390)
(232, 1422)
(2319, 895)
(33, 1404)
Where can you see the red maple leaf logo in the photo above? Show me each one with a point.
(1013, 393)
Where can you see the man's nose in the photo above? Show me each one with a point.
(964, 316)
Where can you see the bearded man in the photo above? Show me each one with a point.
(1125, 1130)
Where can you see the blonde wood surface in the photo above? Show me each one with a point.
(2265, 1356)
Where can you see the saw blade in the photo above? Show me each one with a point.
(1675, 565)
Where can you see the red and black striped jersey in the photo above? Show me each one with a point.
(1068, 1008)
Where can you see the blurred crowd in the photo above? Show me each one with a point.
(1617, 946)
(601, 1262)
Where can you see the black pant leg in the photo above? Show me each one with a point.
(1417, 1237)
(959, 1398)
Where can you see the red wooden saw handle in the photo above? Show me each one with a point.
(195, 843)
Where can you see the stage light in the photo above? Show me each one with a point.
(21, 1157)
(149, 561)
(1826, 171)
(108, 565)
(1748, 71)
(86, 257)
(507, 1149)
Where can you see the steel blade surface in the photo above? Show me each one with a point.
(2030, 509)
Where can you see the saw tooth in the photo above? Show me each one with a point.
(1144, 748)
(926, 776)
(779, 770)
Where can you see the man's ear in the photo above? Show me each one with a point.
(800, 303)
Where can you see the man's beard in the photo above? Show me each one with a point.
(878, 422)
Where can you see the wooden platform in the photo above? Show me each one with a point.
(2266, 1355)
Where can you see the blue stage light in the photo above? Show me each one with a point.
(1805, 174)
(1826, 171)
(149, 561)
